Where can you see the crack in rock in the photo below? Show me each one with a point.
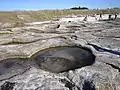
(7, 78)
(100, 49)
(114, 66)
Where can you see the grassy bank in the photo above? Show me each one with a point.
(41, 15)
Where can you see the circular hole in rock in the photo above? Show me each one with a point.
(61, 59)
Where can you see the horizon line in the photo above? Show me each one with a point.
(58, 9)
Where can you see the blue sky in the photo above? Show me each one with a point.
(55, 4)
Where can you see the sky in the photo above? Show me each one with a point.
(55, 4)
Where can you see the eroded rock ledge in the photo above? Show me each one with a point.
(18, 45)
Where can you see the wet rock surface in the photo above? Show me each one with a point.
(29, 56)
(64, 59)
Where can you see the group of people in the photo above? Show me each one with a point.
(109, 17)
(101, 17)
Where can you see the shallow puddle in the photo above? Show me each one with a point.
(62, 59)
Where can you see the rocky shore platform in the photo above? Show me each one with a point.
(63, 54)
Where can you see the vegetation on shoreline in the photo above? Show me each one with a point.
(41, 15)
(79, 8)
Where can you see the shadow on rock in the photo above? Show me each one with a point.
(8, 86)
(68, 84)
(88, 85)
(62, 59)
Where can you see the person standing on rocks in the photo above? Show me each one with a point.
(100, 16)
(115, 17)
(85, 19)
(109, 17)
